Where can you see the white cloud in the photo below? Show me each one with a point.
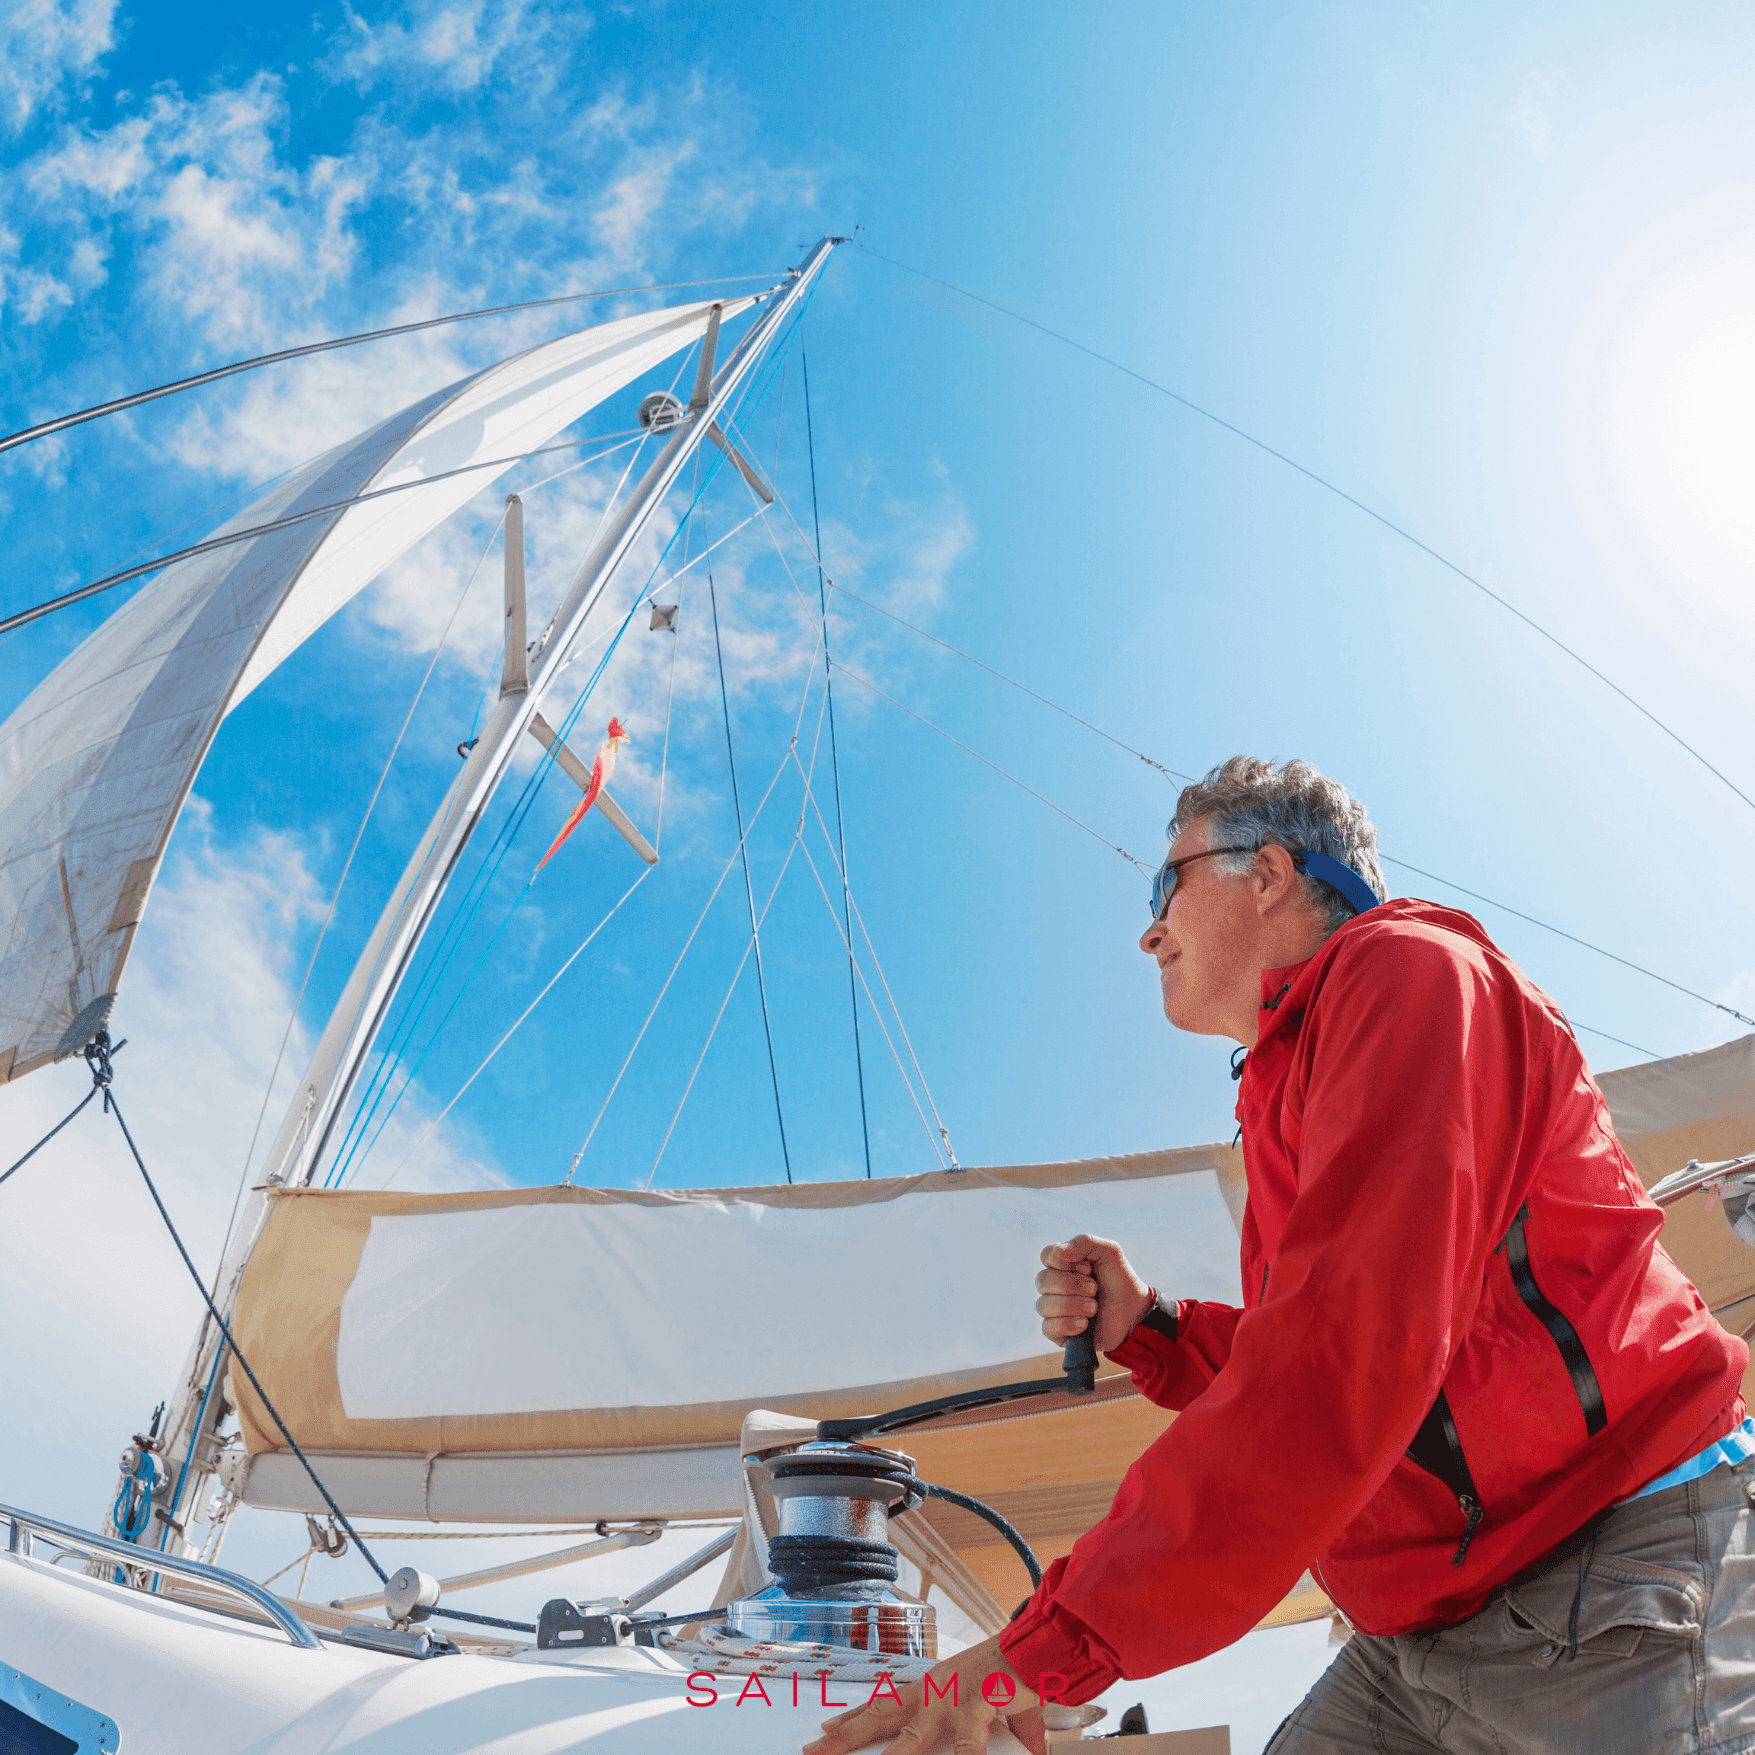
(100, 1309)
(457, 47)
(49, 50)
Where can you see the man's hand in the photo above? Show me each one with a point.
(1089, 1277)
(953, 1709)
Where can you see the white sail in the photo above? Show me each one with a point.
(96, 763)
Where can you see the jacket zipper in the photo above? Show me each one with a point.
(1438, 1450)
(1577, 1361)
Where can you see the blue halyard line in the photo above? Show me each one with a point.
(183, 1472)
(452, 941)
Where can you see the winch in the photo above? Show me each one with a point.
(833, 1565)
(834, 1568)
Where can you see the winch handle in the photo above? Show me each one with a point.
(1079, 1362)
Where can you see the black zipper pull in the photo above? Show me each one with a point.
(1474, 1511)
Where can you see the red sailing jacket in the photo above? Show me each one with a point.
(1460, 1340)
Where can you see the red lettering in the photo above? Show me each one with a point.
(795, 1687)
(702, 1682)
(754, 1682)
(1051, 1685)
(999, 1689)
(941, 1692)
(885, 1684)
(823, 1678)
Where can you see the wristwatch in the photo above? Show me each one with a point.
(1160, 1315)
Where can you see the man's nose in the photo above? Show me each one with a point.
(1152, 937)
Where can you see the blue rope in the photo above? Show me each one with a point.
(183, 1472)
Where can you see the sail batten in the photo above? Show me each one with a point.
(96, 763)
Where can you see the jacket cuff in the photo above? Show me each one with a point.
(1144, 1342)
(1046, 1641)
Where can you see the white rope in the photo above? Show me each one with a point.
(724, 1654)
(587, 1529)
(700, 921)
(518, 1021)
(737, 974)
(693, 931)
(877, 963)
(872, 1001)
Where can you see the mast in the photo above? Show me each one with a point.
(199, 1406)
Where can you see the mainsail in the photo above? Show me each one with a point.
(96, 763)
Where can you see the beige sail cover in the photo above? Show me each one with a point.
(1696, 1106)
(96, 762)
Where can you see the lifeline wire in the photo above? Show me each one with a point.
(62, 422)
(834, 752)
(1339, 492)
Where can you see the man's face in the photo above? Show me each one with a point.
(1204, 946)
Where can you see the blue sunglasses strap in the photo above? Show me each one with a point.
(1340, 877)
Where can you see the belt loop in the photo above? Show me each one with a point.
(1590, 1547)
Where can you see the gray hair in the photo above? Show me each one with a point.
(1254, 804)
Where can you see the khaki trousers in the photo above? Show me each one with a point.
(1640, 1641)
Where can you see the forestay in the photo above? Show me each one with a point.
(96, 763)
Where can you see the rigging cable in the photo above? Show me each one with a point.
(1340, 493)
(346, 867)
(36, 612)
(1388, 858)
(384, 1072)
(1096, 835)
(749, 888)
(518, 1022)
(834, 753)
(1012, 682)
(62, 422)
(98, 1054)
(949, 1152)
(700, 921)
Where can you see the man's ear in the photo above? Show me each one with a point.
(1276, 878)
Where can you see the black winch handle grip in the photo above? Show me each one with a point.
(1080, 1362)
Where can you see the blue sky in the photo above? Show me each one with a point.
(1486, 268)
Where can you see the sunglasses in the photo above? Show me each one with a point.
(1318, 865)
(1164, 884)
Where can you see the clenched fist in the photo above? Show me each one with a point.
(1088, 1278)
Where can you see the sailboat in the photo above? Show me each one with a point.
(632, 1360)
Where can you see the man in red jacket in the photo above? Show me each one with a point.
(1467, 1389)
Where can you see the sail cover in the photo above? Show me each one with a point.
(96, 763)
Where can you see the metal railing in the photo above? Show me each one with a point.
(148, 1560)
